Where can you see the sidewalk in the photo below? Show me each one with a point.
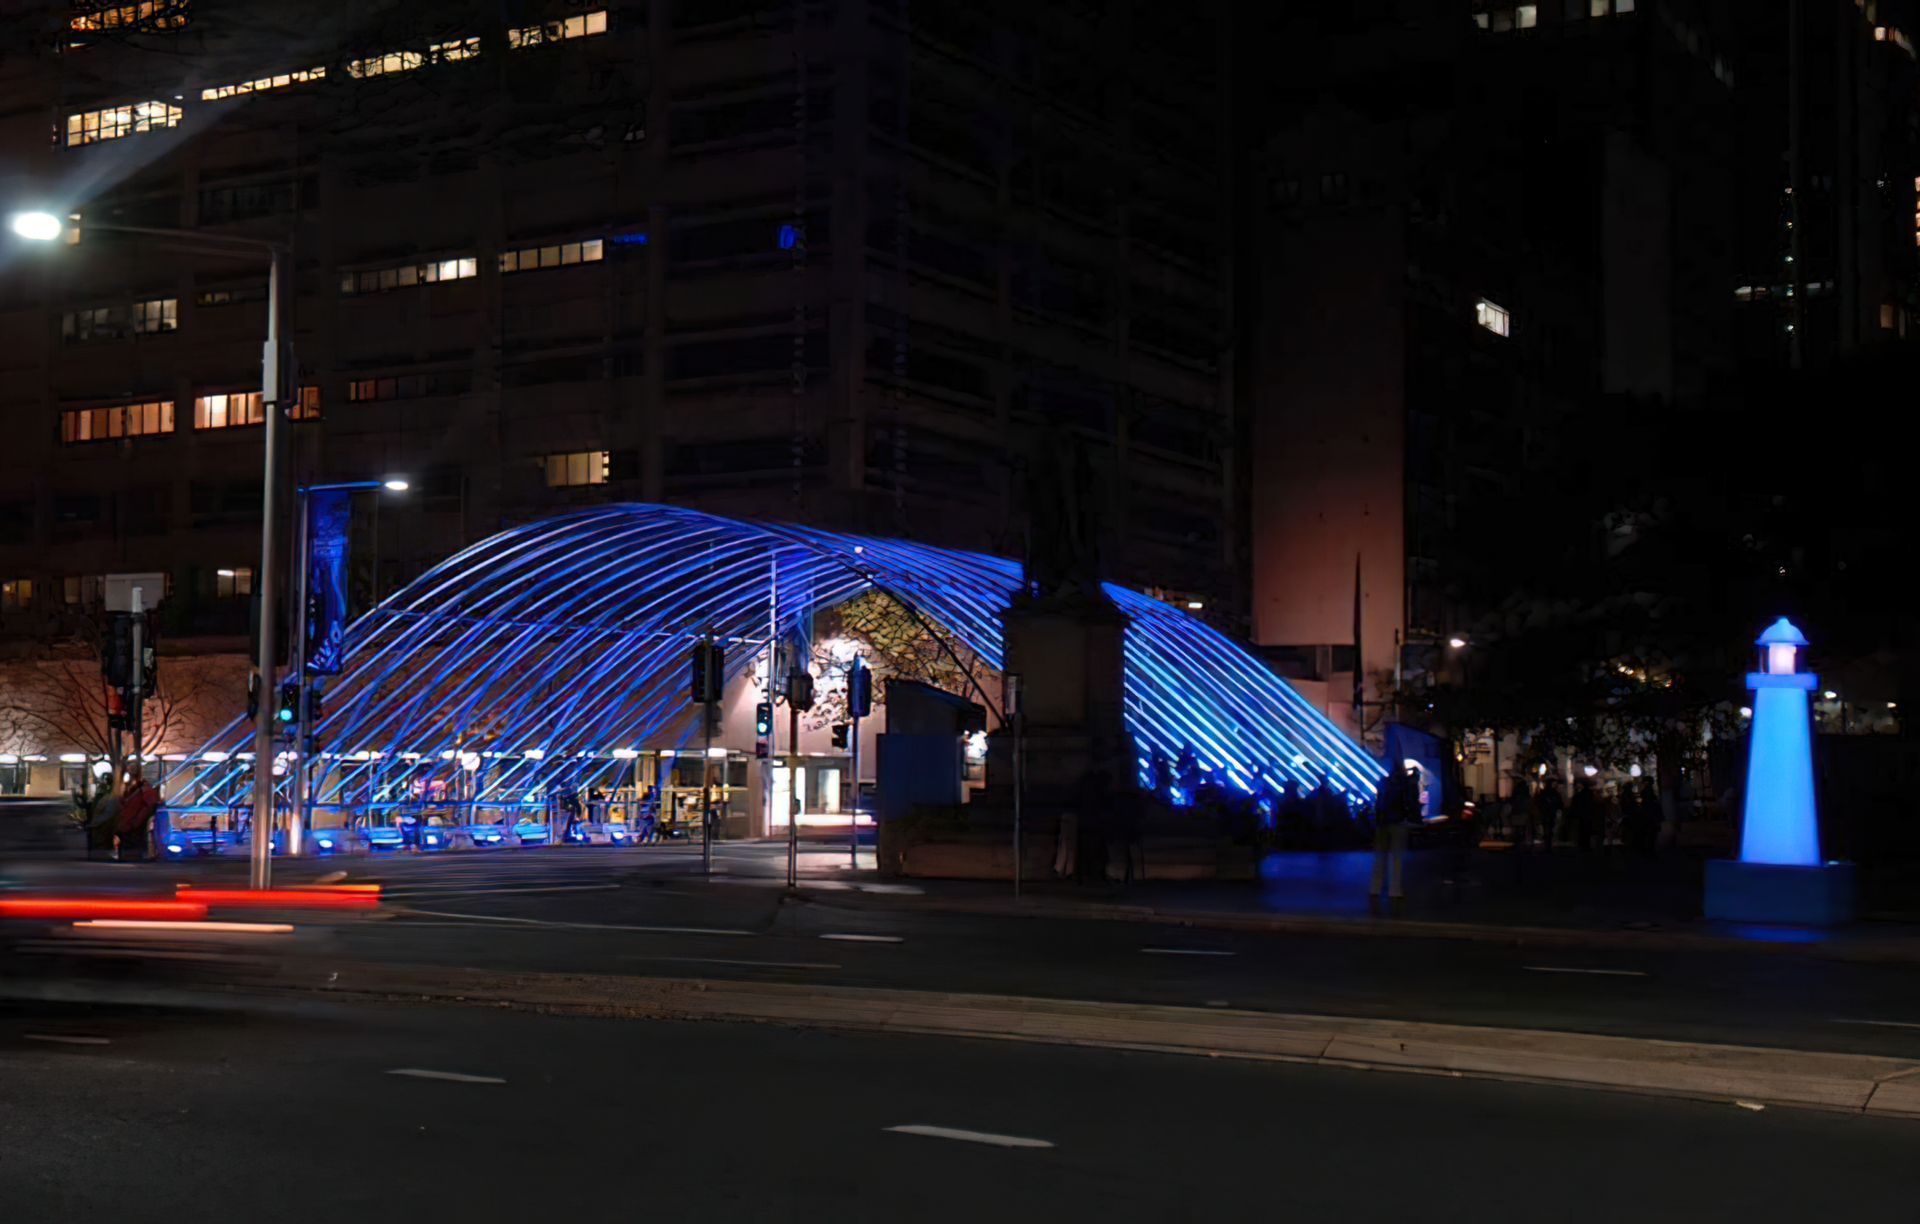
(1563, 900)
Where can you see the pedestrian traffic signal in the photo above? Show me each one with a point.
(253, 695)
(288, 711)
(708, 671)
(839, 735)
(314, 693)
(860, 690)
(763, 719)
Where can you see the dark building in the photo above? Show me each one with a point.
(1830, 200)
(840, 261)
(1475, 233)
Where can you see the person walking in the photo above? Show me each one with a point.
(137, 806)
(1547, 809)
(1395, 807)
(1127, 806)
(1584, 815)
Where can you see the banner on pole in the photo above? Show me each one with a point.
(330, 517)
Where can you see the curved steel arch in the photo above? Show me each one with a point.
(544, 648)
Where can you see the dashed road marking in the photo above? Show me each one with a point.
(1185, 952)
(845, 938)
(66, 1039)
(1594, 972)
(718, 960)
(968, 1136)
(456, 1077)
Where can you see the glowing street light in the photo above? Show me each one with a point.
(395, 485)
(36, 226)
(1457, 643)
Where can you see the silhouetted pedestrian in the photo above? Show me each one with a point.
(1546, 810)
(1584, 814)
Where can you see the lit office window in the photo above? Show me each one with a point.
(555, 31)
(118, 421)
(402, 386)
(281, 81)
(382, 65)
(116, 121)
(576, 469)
(458, 49)
(1494, 318)
(556, 255)
(234, 581)
(158, 315)
(16, 593)
(146, 15)
(380, 280)
(231, 409)
(84, 589)
(1526, 16)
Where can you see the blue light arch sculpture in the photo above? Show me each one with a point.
(542, 649)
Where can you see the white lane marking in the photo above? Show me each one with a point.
(968, 1136)
(453, 1076)
(1595, 972)
(1755, 1106)
(577, 926)
(717, 960)
(1185, 952)
(1881, 1023)
(66, 1039)
(865, 938)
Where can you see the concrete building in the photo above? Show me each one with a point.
(1471, 228)
(839, 261)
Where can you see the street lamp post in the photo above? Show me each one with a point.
(275, 362)
(304, 743)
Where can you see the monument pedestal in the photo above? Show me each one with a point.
(1823, 895)
(1070, 660)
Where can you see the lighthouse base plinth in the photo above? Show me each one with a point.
(1823, 895)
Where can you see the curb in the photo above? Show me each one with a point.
(1854, 1083)
(1882, 952)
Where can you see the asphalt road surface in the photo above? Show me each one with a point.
(645, 911)
(323, 1111)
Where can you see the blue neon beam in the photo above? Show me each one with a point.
(547, 646)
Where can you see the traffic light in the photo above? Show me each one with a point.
(860, 690)
(763, 719)
(314, 694)
(840, 735)
(116, 659)
(708, 671)
(800, 691)
(288, 711)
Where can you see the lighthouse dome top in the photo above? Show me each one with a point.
(1782, 632)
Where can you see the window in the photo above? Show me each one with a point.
(233, 583)
(1526, 16)
(262, 84)
(117, 121)
(230, 409)
(15, 775)
(1494, 318)
(381, 65)
(458, 49)
(92, 323)
(556, 255)
(1333, 188)
(555, 31)
(15, 594)
(118, 421)
(1886, 316)
(1286, 191)
(575, 469)
(231, 296)
(87, 590)
(147, 15)
(379, 280)
(157, 315)
(403, 386)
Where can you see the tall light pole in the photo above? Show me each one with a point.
(302, 599)
(275, 363)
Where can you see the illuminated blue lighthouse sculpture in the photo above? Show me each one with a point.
(1779, 876)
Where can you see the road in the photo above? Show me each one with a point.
(646, 911)
(297, 1112)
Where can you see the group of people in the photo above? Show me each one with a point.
(1630, 815)
(1103, 822)
(122, 823)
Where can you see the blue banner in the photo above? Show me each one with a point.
(329, 518)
